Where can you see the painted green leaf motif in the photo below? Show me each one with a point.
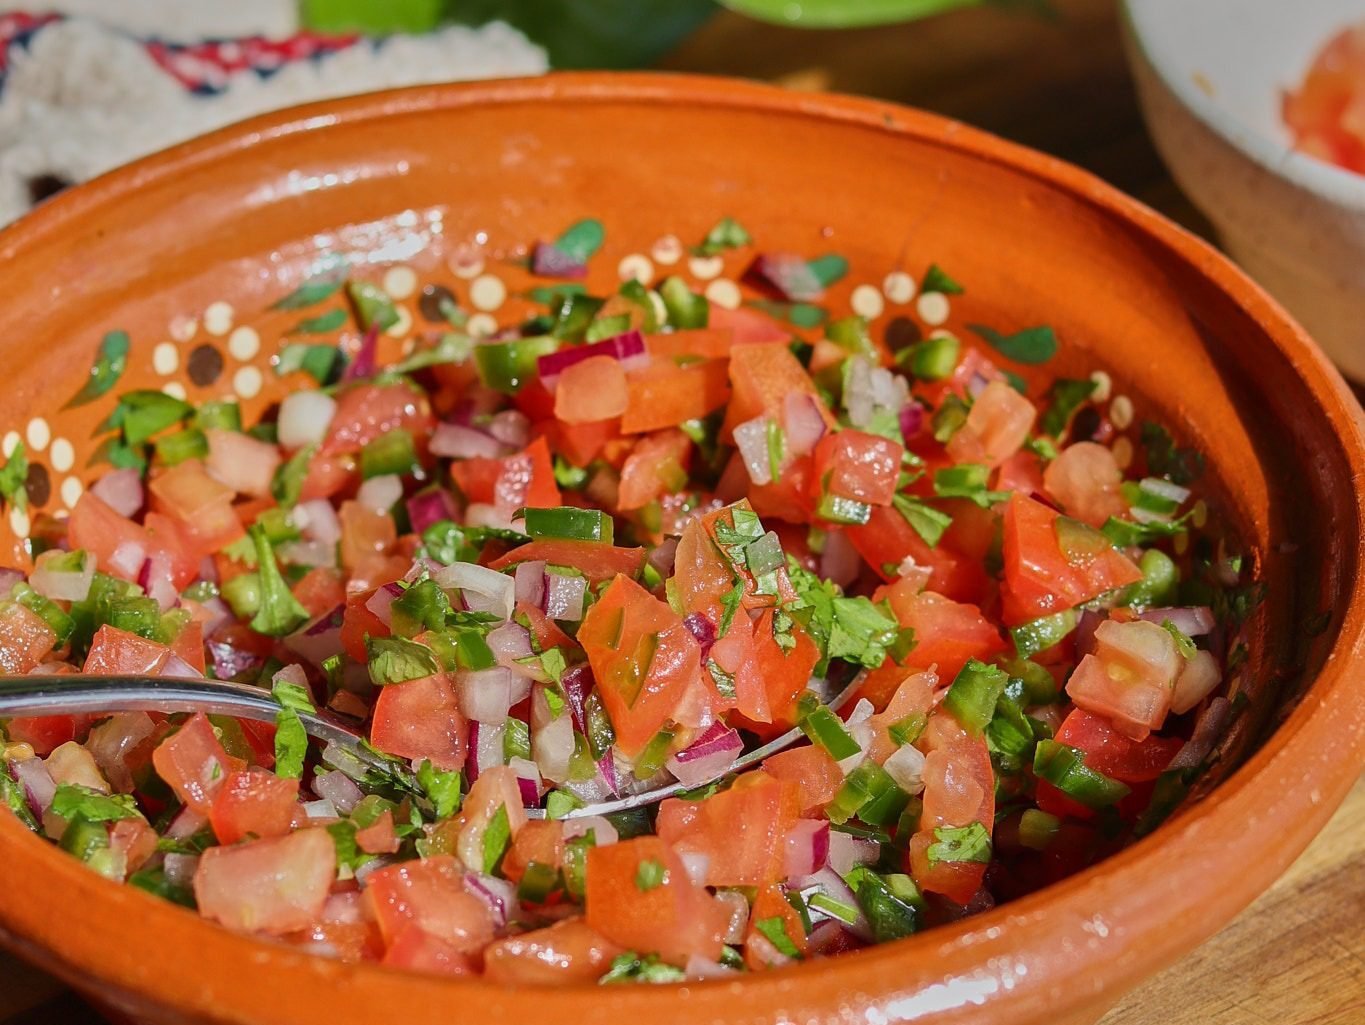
(310, 293)
(936, 279)
(829, 268)
(321, 324)
(319, 361)
(1032, 345)
(373, 307)
(110, 362)
(581, 240)
(727, 234)
(13, 477)
(800, 314)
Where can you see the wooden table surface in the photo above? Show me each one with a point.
(1297, 956)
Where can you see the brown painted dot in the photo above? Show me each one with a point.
(901, 332)
(434, 302)
(38, 484)
(205, 365)
(1085, 424)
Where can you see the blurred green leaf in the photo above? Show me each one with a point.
(372, 17)
(855, 13)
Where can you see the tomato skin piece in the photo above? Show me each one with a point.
(421, 719)
(643, 477)
(539, 840)
(200, 505)
(524, 479)
(366, 411)
(761, 377)
(430, 895)
(98, 529)
(887, 539)
(1117, 756)
(168, 538)
(959, 789)
(812, 769)
(116, 652)
(327, 475)
(674, 919)
(253, 803)
(594, 560)
(358, 621)
(742, 830)
(273, 886)
(779, 676)
(1039, 578)
(854, 464)
(568, 951)
(365, 532)
(665, 395)
(622, 627)
(193, 763)
(1084, 480)
(25, 638)
(995, 429)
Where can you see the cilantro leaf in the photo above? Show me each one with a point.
(631, 967)
(828, 269)
(1166, 459)
(332, 320)
(496, 837)
(581, 240)
(14, 477)
(848, 628)
(725, 682)
(649, 875)
(280, 612)
(291, 744)
(443, 789)
(373, 306)
(397, 660)
(310, 293)
(71, 800)
(960, 843)
(929, 523)
(1032, 345)
(110, 362)
(774, 929)
(321, 362)
(290, 475)
(1066, 396)
(967, 480)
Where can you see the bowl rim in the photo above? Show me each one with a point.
(1333, 183)
(1277, 799)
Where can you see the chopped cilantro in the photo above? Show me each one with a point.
(14, 476)
(774, 929)
(1065, 397)
(632, 967)
(929, 523)
(936, 279)
(496, 837)
(728, 233)
(280, 612)
(397, 660)
(960, 843)
(71, 800)
(442, 789)
(649, 875)
(1032, 345)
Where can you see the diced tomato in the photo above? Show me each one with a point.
(594, 560)
(45, 733)
(914, 697)
(525, 479)
(379, 837)
(320, 590)
(770, 903)
(664, 394)
(854, 464)
(421, 719)
(253, 803)
(748, 325)
(188, 646)
(357, 623)
(328, 475)
(675, 918)
(200, 505)
(657, 466)
(179, 555)
(1022, 471)
(742, 830)
(1084, 480)
(272, 886)
(25, 638)
(591, 389)
(245, 464)
(959, 789)
(761, 377)
(791, 497)
(568, 951)
(366, 411)
(540, 841)
(887, 539)
(780, 676)
(996, 428)
(1129, 677)
(1041, 578)
(580, 444)
(101, 531)
(417, 950)
(365, 532)
(134, 841)
(192, 762)
(708, 343)
(643, 658)
(429, 894)
(1324, 112)
(814, 771)
(115, 652)
(495, 792)
(1117, 756)
(947, 635)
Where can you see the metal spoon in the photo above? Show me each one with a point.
(76, 695)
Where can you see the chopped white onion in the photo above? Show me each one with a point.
(530, 582)
(245, 464)
(695, 864)
(734, 902)
(304, 418)
(564, 597)
(1163, 488)
(511, 427)
(484, 589)
(552, 739)
(802, 422)
(486, 695)
(317, 520)
(859, 727)
(455, 441)
(846, 851)
(381, 493)
(63, 584)
(120, 490)
(603, 831)
(1197, 679)
(127, 560)
(906, 767)
(488, 744)
(339, 788)
(751, 438)
(113, 740)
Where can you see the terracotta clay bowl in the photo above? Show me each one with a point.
(454, 181)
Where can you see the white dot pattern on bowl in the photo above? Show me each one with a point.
(71, 491)
(481, 325)
(724, 293)
(18, 522)
(400, 282)
(38, 434)
(867, 302)
(933, 308)
(7, 445)
(1121, 412)
(174, 389)
(487, 292)
(166, 359)
(667, 250)
(1104, 386)
(183, 328)
(635, 267)
(401, 327)
(466, 262)
(898, 287)
(218, 318)
(247, 382)
(63, 455)
(244, 343)
(704, 268)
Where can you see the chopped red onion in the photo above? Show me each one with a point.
(628, 349)
(807, 848)
(483, 589)
(912, 419)
(380, 603)
(455, 441)
(511, 646)
(113, 740)
(37, 782)
(185, 824)
(695, 864)
(127, 560)
(1086, 624)
(304, 418)
(176, 668)
(698, 967)
(8, 578)
(381, 493)
(320, 639)
(155, 579)
(606, 768)
(840, 561)
(802, 422)
(511, 427)
(1207, 730)
(564, 597)
(365, 362)
(530, 582)
(120, 490)
(549, 261)
(906, 766)
(735, 903)
(576, 683)
(339, 788)
(699, 625)
(707, 757)
(498, 894)
(65, 585)
(528, 780)
(1193, 621)
(431, 506)
(486, 695)
(787, 273)
(832, 885)
(751, 438)
(230, 661)
(847, 851)
(663, 555)
(977, 384)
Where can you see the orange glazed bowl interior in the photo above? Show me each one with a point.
(182, 249)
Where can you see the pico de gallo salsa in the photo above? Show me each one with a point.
(606, 548)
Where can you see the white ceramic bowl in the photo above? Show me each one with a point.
(1210, 74)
